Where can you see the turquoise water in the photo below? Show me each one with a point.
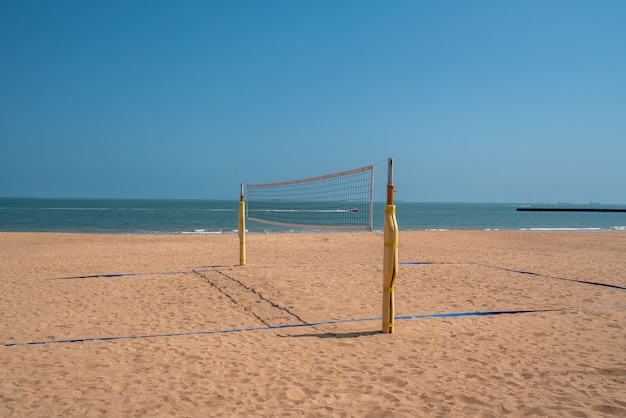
(143, 216)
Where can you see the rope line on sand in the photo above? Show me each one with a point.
(222, 268)
(116, 275)
(530, 273)
(310, 324)
(313, 324)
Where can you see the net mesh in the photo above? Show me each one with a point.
(339, 201)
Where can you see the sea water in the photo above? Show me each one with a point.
(145, 216)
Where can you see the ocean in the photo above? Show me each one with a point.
(148, 216)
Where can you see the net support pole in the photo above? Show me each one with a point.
(242, 228)
(390, 260)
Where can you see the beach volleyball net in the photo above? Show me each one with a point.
(338, 201)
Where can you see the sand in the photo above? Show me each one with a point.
(171, 326)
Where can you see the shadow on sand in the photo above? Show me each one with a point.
(356, 334)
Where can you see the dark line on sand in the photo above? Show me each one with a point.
(231, 298)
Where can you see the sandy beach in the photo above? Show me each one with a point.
(490, 323)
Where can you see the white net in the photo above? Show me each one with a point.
(339, 201)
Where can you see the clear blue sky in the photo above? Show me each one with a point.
(501, 101)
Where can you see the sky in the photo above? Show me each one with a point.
(476, 101)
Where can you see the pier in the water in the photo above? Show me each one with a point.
(528, 209)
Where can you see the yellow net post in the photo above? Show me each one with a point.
(242, 229)
(390, 260)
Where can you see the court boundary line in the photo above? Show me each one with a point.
(310, 324)
(529, 273)
(313, 324)
(209, 269)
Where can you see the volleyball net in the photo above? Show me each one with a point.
(338, 201)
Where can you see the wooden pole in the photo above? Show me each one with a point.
(390, 259)
(242, 229)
